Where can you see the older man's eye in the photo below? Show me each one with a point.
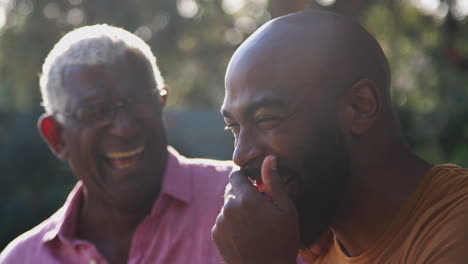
(94, 112)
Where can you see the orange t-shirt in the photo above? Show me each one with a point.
(431, 228)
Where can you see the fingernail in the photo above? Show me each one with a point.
(273, 163)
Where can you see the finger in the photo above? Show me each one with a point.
(228, 191)
(215, 231)
(273, 185)
(235, 168)
(218, 235)
(240, 184)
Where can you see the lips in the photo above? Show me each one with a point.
(124, 159)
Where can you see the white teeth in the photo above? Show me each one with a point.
(119, 155)
(123, 166)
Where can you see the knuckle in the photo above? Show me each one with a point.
(229, 199)
(235, 175)
(216, 230)
(229, 208)
(228, 191)
(246, 201)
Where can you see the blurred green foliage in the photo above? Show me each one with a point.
(193, 40)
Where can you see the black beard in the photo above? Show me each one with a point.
(327, 170)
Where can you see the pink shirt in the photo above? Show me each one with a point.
(177, 231)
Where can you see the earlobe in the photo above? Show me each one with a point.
(364, 104)
(163, 93)
(50, 131)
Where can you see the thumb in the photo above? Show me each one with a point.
(273, 185)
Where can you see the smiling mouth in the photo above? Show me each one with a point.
(123, 160)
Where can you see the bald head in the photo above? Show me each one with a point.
(313, 49)
(320, 66)
(312, 88)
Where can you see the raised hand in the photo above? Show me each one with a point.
(253, 228)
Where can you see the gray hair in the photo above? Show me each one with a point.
(89, 45)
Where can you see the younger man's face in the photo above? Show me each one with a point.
(271, 108)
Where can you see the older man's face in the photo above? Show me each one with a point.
(273, 108)
(120, 158)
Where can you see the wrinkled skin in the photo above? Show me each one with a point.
(121, 189)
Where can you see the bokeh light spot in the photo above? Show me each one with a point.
(232, 6)
(460, 10)
(160, 22)
(429, 7)
(187, 8)
(75, 2)
(76, 17)
(51, 11)
(246, 24)
(233, 36)
(25, 7)
(2, 18)
(144, 32)
(325, 2)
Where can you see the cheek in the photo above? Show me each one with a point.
(82, 146)
(290, 144)
(291, 148)
(157, 129)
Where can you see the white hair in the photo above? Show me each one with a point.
(89, 45)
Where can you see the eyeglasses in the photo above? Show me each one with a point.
(103, 113)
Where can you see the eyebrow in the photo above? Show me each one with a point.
(263, 103)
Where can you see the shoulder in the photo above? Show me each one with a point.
(440, 233)
(215, 171)
(444, 187)
(450, 175)
(446, 242)
(208, 167)
(27, 246)
(208, 175)
(207, 178)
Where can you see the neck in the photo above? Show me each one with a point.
(376, 194)
(108, 227)
(104, 220)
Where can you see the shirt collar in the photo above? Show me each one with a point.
(64, 222)
(177, 184)
(177, 181)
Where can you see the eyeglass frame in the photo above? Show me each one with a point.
(115, 106)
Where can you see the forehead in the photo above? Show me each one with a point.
(283, 59)
(129, 73)
(278, 80)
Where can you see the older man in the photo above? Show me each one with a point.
(137, 200)
(308, 101)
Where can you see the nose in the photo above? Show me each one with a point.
(247, 149)
(124, 124)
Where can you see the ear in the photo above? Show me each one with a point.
(50, 131)
(163, 93)
(362, 106)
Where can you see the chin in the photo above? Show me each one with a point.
(321, 189)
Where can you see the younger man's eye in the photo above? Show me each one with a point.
(267, 122)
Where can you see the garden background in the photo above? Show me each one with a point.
(426, 42)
